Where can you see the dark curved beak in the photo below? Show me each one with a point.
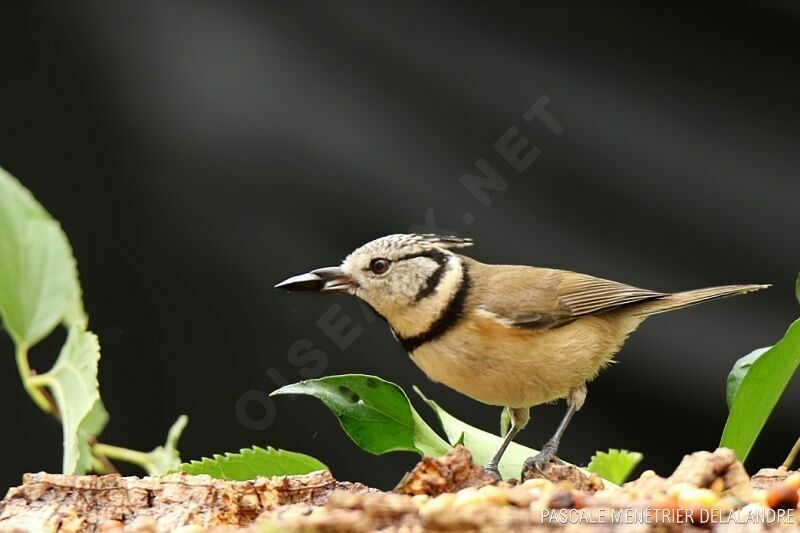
(328, 279)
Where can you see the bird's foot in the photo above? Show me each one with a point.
(492, 472)
(541, 460)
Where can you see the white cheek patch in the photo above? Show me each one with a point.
(407, 278)
(406, 282)
(449, 284)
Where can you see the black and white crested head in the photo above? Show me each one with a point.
(411, 243)
(408, 278)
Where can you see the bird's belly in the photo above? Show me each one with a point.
(509, 366)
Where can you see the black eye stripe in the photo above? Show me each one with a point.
(436, 255)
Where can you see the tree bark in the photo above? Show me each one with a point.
(67, 504)
(449, 493)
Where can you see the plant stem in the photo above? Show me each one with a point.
(122, 454)
(98, 466)
(100, 463)
(30, 383)
(787, 464)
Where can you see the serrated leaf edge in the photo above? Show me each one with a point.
(216, 458)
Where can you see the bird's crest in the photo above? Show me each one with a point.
(411, 243)
(442, 241)
(420, 241)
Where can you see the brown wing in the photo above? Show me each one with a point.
(543, 298)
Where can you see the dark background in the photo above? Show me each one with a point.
(199, 152)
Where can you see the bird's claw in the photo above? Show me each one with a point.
(540, 461)
(492, 472)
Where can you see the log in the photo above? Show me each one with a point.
(54, 503)
(707, 490)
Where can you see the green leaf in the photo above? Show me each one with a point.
(740, 369)
(253, 462)
(38, 276)
(505, 422)
(614, 465)
(797, 288)
(73, 382)
(759, 391)
(375, 414)
(482, 444)
(166, 458)
(90, 427)
(95, 422)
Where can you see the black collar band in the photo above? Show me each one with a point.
(449, 317)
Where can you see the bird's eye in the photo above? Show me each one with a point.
(379, 266)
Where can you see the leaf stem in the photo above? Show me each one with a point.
(787, 464)
(32, 383)
(98, 466)
(100, 463)
(141, 459)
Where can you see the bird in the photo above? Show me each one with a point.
(505, 335)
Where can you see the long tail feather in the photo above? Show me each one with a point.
(679, 300)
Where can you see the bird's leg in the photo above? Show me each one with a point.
(551, 446)
(491, 467)
(519, 418)
(575, 401)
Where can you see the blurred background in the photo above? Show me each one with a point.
(197, 153)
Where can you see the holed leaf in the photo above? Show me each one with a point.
(375, 413)
(614, 465)
(759, 390)
(251, 463)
